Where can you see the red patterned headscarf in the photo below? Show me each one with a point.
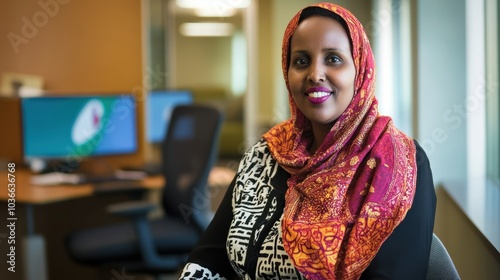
(344, 200)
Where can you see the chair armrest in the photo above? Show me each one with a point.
(137, 211)
(132, 209)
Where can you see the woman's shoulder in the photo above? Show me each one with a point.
(260, 145)
(258, 165)
(425, 181)
(421, 155)
(257, 154)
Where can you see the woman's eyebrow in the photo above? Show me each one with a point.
(324, 50)
(333, 50)
(298, 52)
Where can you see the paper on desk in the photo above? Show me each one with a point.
(55, 178)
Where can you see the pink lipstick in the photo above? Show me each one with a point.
(318, 95)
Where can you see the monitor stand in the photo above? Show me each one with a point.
(153, 161)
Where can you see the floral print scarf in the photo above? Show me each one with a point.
(344, 200)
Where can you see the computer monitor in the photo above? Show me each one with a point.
(159, 108)
(72, 128)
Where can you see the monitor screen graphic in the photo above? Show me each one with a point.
(74, 127)
(159, 109)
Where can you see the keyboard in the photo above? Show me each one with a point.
(150, 168)
(59, 178)
(119, 175)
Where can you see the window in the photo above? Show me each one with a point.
(391, 28)
(492, 10)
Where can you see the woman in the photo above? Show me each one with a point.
(336, 191)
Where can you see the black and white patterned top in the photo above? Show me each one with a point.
(244, 239)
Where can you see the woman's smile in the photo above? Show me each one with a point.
(318, 95)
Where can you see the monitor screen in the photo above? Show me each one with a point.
(159, 108)
(74, 127)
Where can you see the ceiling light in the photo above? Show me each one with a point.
(212, 12)
(206, 29)
(217, 4)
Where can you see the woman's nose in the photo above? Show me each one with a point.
(316, 73)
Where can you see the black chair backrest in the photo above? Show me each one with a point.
(189, 152)
(441, 265)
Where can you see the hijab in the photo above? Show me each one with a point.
(345, 199)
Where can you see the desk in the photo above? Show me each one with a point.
(29, 195)
(479, 201)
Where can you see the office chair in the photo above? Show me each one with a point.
(161, 245)
(440, 263)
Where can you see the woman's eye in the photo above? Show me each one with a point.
(301, 61)
(333, 59)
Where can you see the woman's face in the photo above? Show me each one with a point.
(321, 72)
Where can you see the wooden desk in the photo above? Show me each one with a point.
(28, 195)
(33, 255)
